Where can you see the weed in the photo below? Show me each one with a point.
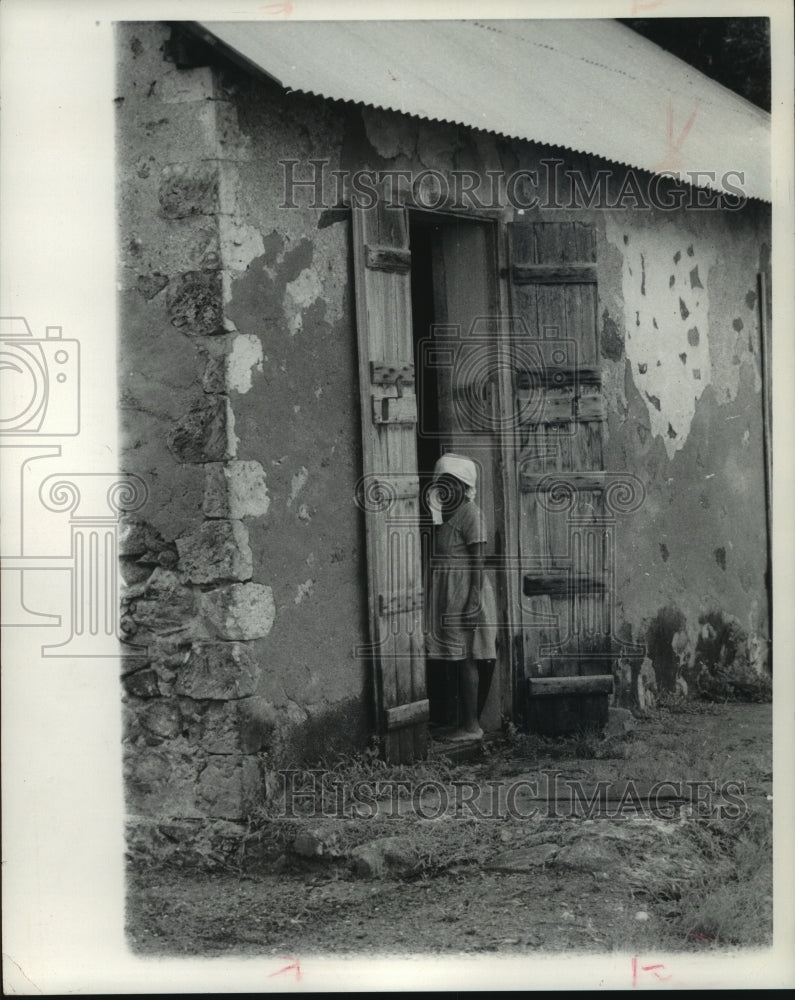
(723, 888)
(745, 685)
(676, 703)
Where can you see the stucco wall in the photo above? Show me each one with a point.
(239, 397)
(300, 419)
(681, 357)
(680, 350)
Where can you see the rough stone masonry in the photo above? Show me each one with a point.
(195, 726)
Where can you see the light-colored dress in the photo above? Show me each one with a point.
(450, 572)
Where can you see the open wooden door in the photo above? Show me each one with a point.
(565, 540)
(390, 486)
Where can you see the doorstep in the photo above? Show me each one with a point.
(457, 751)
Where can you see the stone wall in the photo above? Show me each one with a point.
(243, 599)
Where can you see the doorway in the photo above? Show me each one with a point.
(502, 365)
(453, 293)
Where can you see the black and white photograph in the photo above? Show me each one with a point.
(397, 540)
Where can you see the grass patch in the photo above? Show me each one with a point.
(677, 703)
(322, 798)
(723, 686)
(721, 893)
(589, 743)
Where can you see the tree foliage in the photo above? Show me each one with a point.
(735, 51)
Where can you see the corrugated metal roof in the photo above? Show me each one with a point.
(593, 86)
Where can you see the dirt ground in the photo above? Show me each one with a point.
(639, 882)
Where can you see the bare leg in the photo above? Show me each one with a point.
(485, 675)
(469, 702)
(469, 692)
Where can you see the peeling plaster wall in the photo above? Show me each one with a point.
(668, 322)
(239, 390)
(681, 346)
(300, 418)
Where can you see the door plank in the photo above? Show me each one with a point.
(383, 313)
(566, 539)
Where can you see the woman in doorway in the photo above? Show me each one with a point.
(461, 624)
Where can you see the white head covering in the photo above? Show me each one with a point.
(463, 469)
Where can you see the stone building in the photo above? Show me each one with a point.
(345, 249)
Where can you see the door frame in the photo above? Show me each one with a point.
(505, 477)
(506, 508)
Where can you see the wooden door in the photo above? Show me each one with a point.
(389, 492)
(565, 551)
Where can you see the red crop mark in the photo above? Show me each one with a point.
(698, 936)
(653, 969)
(295, 964)
(677, 144)
(673, 153)
(278, 9)
(638, 6)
